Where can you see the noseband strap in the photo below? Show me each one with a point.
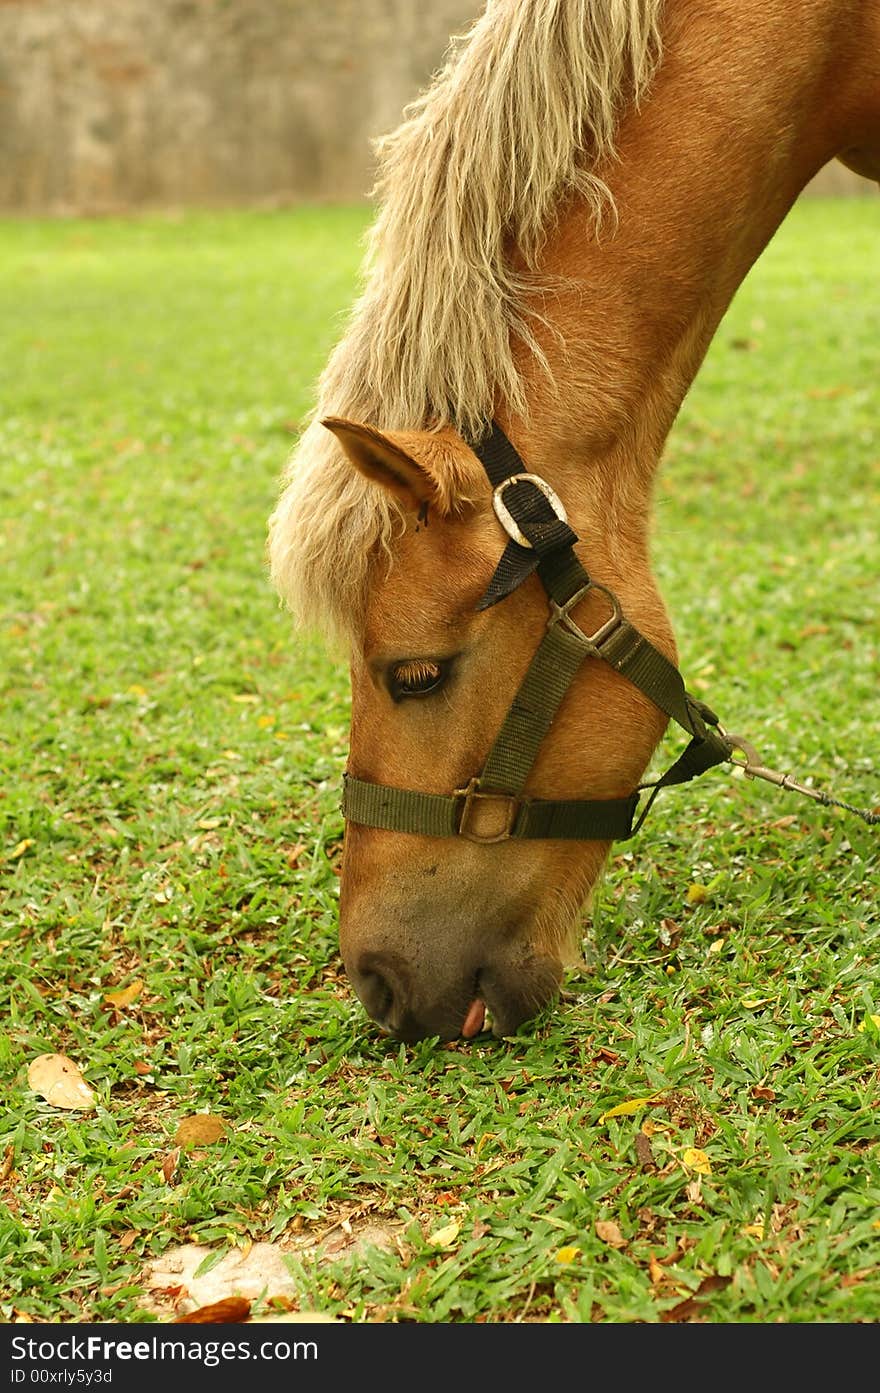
(492, 806)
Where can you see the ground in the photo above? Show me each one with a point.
(169, 834)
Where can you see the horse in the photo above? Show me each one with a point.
(563, 218)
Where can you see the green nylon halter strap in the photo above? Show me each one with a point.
(492, 808)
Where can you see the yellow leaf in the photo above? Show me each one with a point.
(21, 848)
(631, 1106)
(754, 1230)
(875, 1021)
(445, 1237)
(697, 894)
(57, 1079)
(696, 1160)
(126, 995)
(567, 1254)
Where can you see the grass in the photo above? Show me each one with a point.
(168, 817)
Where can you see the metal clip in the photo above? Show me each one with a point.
(753, 768)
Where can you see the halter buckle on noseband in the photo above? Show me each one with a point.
(475, 801)
(506, 518)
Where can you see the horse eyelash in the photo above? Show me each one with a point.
(414, 673)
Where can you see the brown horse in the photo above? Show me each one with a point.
(564, 219)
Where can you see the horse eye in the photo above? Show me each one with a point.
(417, 677)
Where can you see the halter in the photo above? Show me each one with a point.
(491, 807)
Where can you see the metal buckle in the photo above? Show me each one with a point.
(506, 518)
(473, 797)
(561, 614)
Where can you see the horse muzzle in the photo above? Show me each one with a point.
(421, 1002)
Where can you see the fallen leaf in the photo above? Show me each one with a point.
(567, 1254)
(644, 1151)
(445, 1237)
(697, 894)
(690, 1307)
(233, 1308)
(609, 1232)
(57, 1079)
(875, 1021)
(632, 1105)
(202, 1129)
(126, 995)
(696, 1160)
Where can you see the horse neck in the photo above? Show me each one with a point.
(752, 98)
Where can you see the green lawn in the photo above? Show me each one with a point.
(168, 817)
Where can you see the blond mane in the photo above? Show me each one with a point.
(520, 117)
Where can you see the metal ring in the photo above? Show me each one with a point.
(506, 518)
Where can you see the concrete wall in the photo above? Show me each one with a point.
(113, 104)
(118, 103)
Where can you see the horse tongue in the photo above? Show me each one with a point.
(473, 1021)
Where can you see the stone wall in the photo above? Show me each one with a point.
(114, 104)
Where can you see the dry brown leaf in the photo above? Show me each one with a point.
(644, 1151)
(690, 1307)
(233, 1308)
(202, 1129)
(126, 995)
(57, 1079)
(609, 1232)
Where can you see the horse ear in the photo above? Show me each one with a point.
(379, 458)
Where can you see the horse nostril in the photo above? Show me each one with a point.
(376, 993)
